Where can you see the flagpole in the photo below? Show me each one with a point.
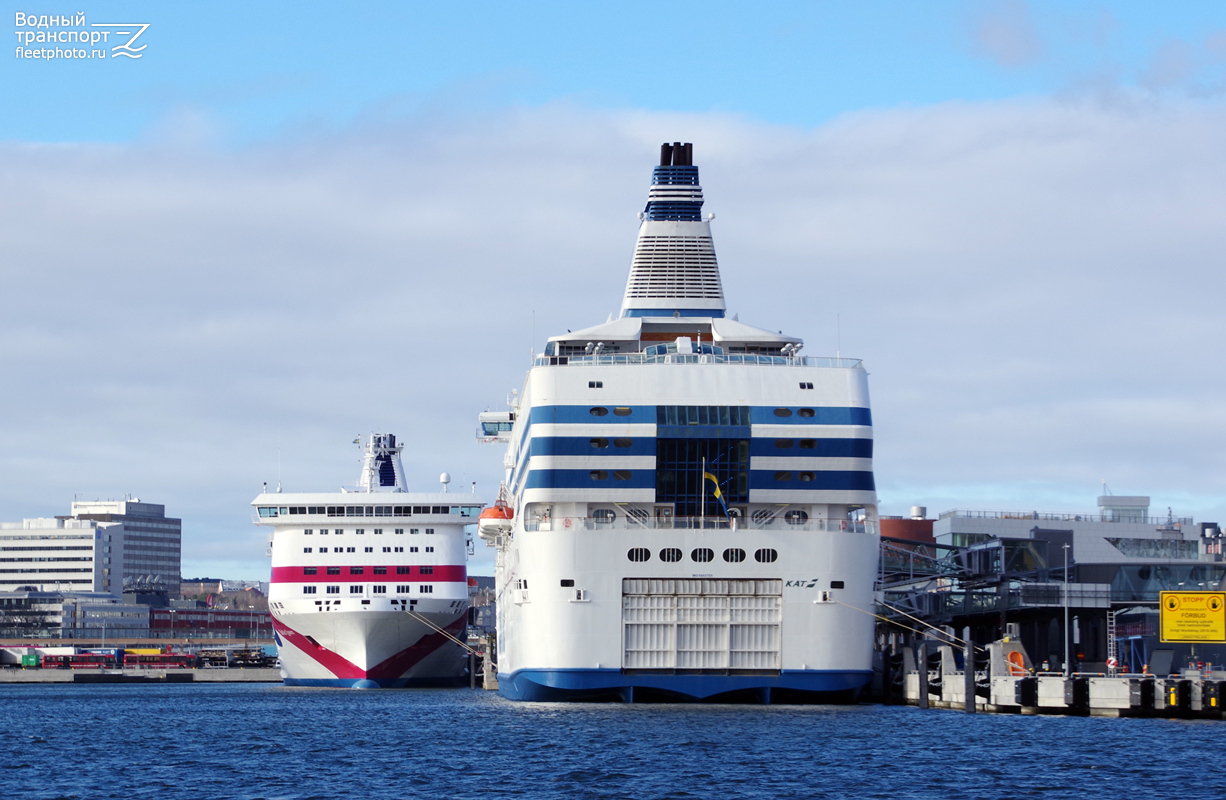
(702, 493)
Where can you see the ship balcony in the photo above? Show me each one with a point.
(709, 523)
(617, 360)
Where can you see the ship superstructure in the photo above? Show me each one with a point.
(369, 584)
(690, 511)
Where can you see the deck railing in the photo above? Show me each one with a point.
(711, 523)
(705, 358)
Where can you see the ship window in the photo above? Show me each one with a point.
(404, 570)
(597, 411)
(348, 549)
(306, 549)
(360, 531)
(355, 570)
(702, 554)
(806, 385)
(400, 530)
(805, 476)
(334, 570)
(805, 412)
(426, 589)
(323, 549)
(836, 584)
(310, 570)
(429, 530)
(604, 515)
(670, 554)
(378, 531)
(334, 590)
(622, 442)
(766, 555)
(621, 475)
(429, 549)
(379, 570)
(599, 475)
(355, 589)
(622, 411)
(401, 549)
(370, 511)
(308, 590)
(595, 384)
(307, 532)
(338, 531)
(639, 554)
(426, 570)
(387, 549)
(332, 511)
(414, 530)
(783, 412)
(567, 583)
(808, 444)
(323, 531)
(402, 588)
(783, 444)
(734, 555)
(783, 475)
(370, 550)
(600, 443)
(796, 517)
(412, 550)
(379, 589)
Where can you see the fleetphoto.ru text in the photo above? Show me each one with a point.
(48, 37)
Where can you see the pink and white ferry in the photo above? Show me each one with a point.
(369, 585)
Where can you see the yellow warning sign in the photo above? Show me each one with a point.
(1193, 616)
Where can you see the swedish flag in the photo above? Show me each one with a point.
(718, 494)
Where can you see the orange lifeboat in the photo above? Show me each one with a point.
(494, 520)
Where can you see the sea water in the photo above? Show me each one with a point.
(222, 741)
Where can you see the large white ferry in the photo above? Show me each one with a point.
(690, 510)
(369, 585)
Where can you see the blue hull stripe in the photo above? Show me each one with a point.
(828, 480)
(611, 684)
(759, 415)
(822, 448)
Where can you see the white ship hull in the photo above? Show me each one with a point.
(369, 588)
(692, 504)
(373, 647)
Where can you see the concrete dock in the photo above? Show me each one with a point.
(140, 675)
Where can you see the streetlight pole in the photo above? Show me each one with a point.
(1066, 630)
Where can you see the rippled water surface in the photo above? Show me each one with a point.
(260, 741)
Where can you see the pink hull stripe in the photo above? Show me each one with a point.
(392, 667)
(443, 573)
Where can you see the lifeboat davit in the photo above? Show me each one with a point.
(498, 518)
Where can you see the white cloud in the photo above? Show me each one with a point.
(1033, 286)
(1006, 34)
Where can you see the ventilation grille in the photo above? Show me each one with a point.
(675, 267)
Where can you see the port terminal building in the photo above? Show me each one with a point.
(1013, 572)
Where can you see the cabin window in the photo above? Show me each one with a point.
(796, 517)
(765, 555)
(639, 554)
(670, 554)
(734, 555)
(783, 444)
(805, 476)
(308, 590)
(622, 411)
(425, 570)
(702, 555)
(805, 412)
(599, 475)
(783, 412)
(356, 570)
(604, 515)
(597, 411)
(567, 583)
(621, 475)
(334, 570)
(355, 589)
(378, 589)
(595, 384)
(379, 570)
(783, 475)
(806, 385)
(306, 549)
(310, 570)
(808, 444)
(600, 443)
(836, 584)
(334, 590)
(622, 442)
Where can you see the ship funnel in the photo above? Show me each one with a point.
(674, 272)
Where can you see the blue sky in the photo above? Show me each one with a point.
(286, 225)
(280, 69)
